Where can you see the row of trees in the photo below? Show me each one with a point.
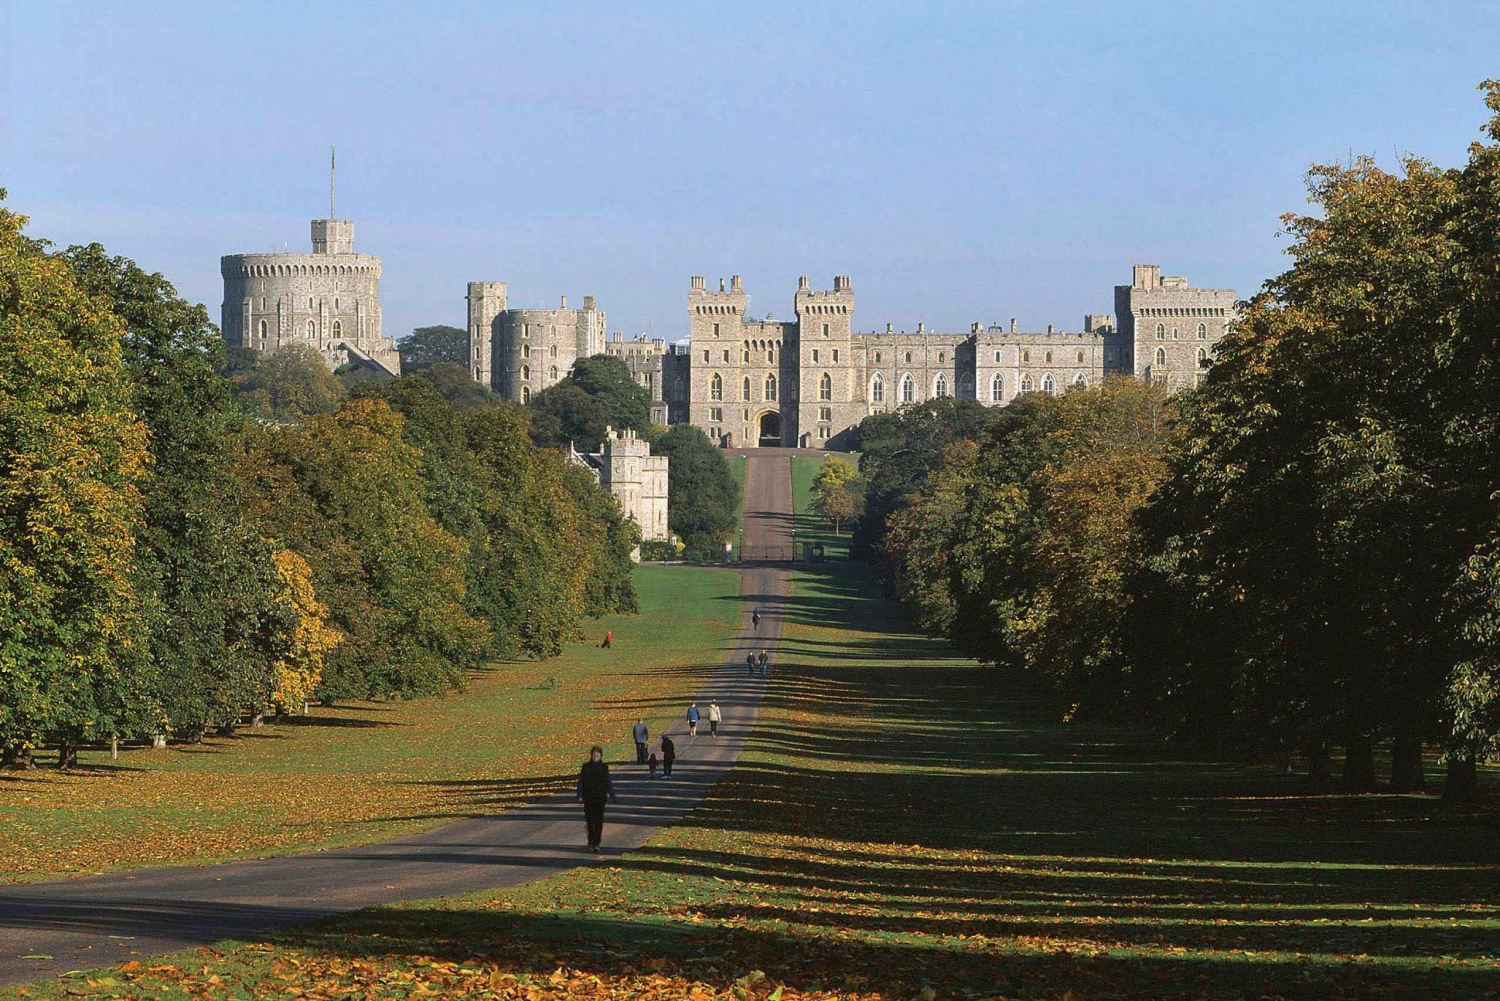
(1302, 554)
(188, 540)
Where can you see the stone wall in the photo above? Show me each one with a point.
(1171, 329)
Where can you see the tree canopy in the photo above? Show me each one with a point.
(425, 347)
(703, 498)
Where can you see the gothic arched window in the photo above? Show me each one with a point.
(770, 387)
(940, 386)
(525, 372)
(1048, 386)
(1026, 383)
(679, 391)
(262, 329)
(908, 388)
(877, 389)
(1203, 358)
(552, 373)
(312, 330)
(825, 387)
(966, 386)
(716, 387)
(1161, 332)
(1080, 379)
(745, 388)
(338, 329)
(1202, 332)
(1161, 356)
(997, 389)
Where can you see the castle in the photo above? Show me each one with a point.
(810, 381)
(329, 300)
(636, 479)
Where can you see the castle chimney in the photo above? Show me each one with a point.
(564, 303)
(974, 328)
(802, 284)
(1049, 328)
(889, 327)
(589, 302)
(1012, 324)
(734, 283)
(920, 327)
(721, 284)
(697, 282)
(619, 336)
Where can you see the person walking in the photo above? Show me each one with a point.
(755, 618)
(750, 663)
(651, 762)
(594, 789)
(714, 719)
(609, 638)
(668, 755)
(642, 737)
(764, 660)
(692, 718)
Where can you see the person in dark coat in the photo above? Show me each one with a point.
(594, 789)
(668, 755)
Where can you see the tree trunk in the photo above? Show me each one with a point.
(259, 719)
(1359, 765)
(1319, 763)
(67, 756)
(19, 758)
(1406, 764)
(158, 741)
(1463, 780)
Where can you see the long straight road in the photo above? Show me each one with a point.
(102, 920)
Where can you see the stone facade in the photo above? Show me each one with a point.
(810, 380)
(329, 299)
(520, 352)
(1168, 329)
(636, 479)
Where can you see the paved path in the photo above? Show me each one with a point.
(101, 920)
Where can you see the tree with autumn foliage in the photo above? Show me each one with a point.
(837, 494)
(300, 667)
(74, 663)
(1322, 552)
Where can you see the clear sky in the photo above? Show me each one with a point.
(961, 161)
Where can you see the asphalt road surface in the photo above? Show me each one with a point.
(98, 921)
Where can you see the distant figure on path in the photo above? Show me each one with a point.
(652, 762)
(750, 663)
(642, 736)
(714, 719)
(594, 789)
(609, 638)
(764, 660)
(668, 755)
(755, 618)
(692, 718)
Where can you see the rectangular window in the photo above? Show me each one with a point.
(825, 330)
(815, 356)
(726, 356)
(825, 413)
(705, 355)
(525, 327)
(835, 356)
(716, 413)
(716, 330)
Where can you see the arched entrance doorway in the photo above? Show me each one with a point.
(770, 429)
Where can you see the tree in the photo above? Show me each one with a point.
(300, 667)
(425, 347)
(458, 387)
(837, 494)
(71, 647)
(626, 403)
(210, 593)
(702, 495)
(288, 384)
(565, 414)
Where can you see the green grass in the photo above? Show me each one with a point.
(400, 766)
(809, 527)
(737, 470)
(905, 819)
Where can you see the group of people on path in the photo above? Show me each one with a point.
(596, 788)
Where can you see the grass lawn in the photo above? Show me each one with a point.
(809, 527)
(517, 733)
(908, 825)
(737, 470)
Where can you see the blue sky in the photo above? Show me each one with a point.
(961, 161)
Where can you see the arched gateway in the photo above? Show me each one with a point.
(770, 429)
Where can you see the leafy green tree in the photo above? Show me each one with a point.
(898, 449)
(702, 496)
(210, 591)
(458, 387)
(288, 384)
(626, 403)
(565, 414)
(72, 664)
(425, 347)
(346, 492)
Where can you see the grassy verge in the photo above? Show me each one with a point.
(908, 825)
(811, 528)
(737, 470)
(398, 766)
